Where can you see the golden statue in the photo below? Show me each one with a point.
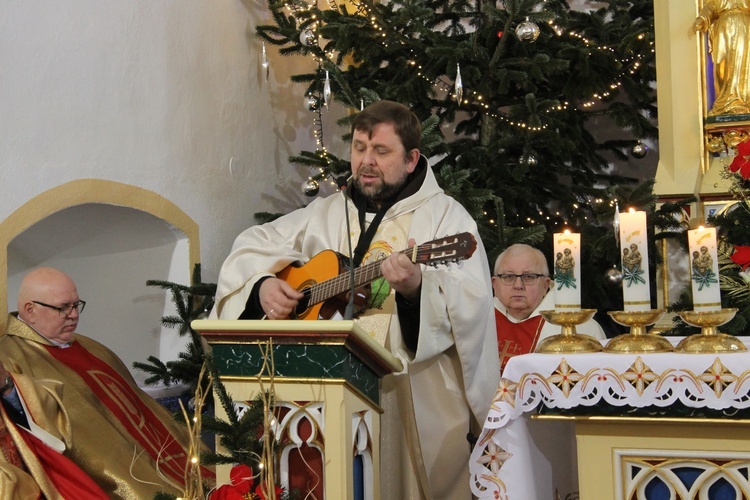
(727, 23)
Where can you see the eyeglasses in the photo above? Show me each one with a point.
(526, 278)
(65, 310)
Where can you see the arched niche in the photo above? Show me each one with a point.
(110, 238)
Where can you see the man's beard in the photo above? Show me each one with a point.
(379, 193)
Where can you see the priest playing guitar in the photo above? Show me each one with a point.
(422, 290)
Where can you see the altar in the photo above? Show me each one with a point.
(617, 426)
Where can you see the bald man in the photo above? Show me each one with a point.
(120, 436)
(521, 285)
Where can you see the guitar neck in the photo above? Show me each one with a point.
(320, 292)
(444, 250)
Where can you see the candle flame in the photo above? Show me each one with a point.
(631, 210)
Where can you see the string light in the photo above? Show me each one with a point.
(478, 98)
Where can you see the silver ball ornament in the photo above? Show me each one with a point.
(527, 31)
(310, 187)
(613, 276)
(307, 37)
(639, 150)
(531, 161)
(312, 103)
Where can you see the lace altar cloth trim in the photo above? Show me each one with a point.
(565, 381)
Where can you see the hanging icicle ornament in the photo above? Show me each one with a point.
(312, 103)
(264, 61)
(361, 104)
(311, 187)
(527, 31)
(459, 87)
(616, 223)
(327, 91)
(307, 37)
(639, 150)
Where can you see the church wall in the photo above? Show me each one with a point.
(167, 96)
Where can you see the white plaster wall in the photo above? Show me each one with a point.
(159, 94)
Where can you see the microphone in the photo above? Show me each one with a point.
(343, 185)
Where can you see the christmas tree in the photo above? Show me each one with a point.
(512, 95)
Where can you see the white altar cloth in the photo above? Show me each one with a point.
(517, 458)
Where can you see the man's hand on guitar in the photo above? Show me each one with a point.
(278, 298)
(403, 275)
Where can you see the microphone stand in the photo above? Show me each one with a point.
(349, 311)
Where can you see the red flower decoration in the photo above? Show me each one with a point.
(741, 161)
(241, 482)
(741, 256)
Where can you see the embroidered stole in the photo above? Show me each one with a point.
(125, 405)
(390, 237)
(516, 338)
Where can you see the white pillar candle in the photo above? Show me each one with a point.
(704, 269)
(567, 271)
(636, 290)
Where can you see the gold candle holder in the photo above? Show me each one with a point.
(710, 339)
(638, 340)
(568, 340)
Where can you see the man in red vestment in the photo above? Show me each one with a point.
(521, 284)
(31, 461)
(119, 435)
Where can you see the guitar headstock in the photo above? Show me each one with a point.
(445, 250)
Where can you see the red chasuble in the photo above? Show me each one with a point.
(125, 405)
(516, 338)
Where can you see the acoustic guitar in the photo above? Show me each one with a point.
(326, 279)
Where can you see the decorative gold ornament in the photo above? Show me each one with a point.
(715, 143)
(723, 134)
(638, 340)
(734, 136)
(568, 341)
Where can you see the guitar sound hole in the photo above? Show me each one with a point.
(301, 309)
